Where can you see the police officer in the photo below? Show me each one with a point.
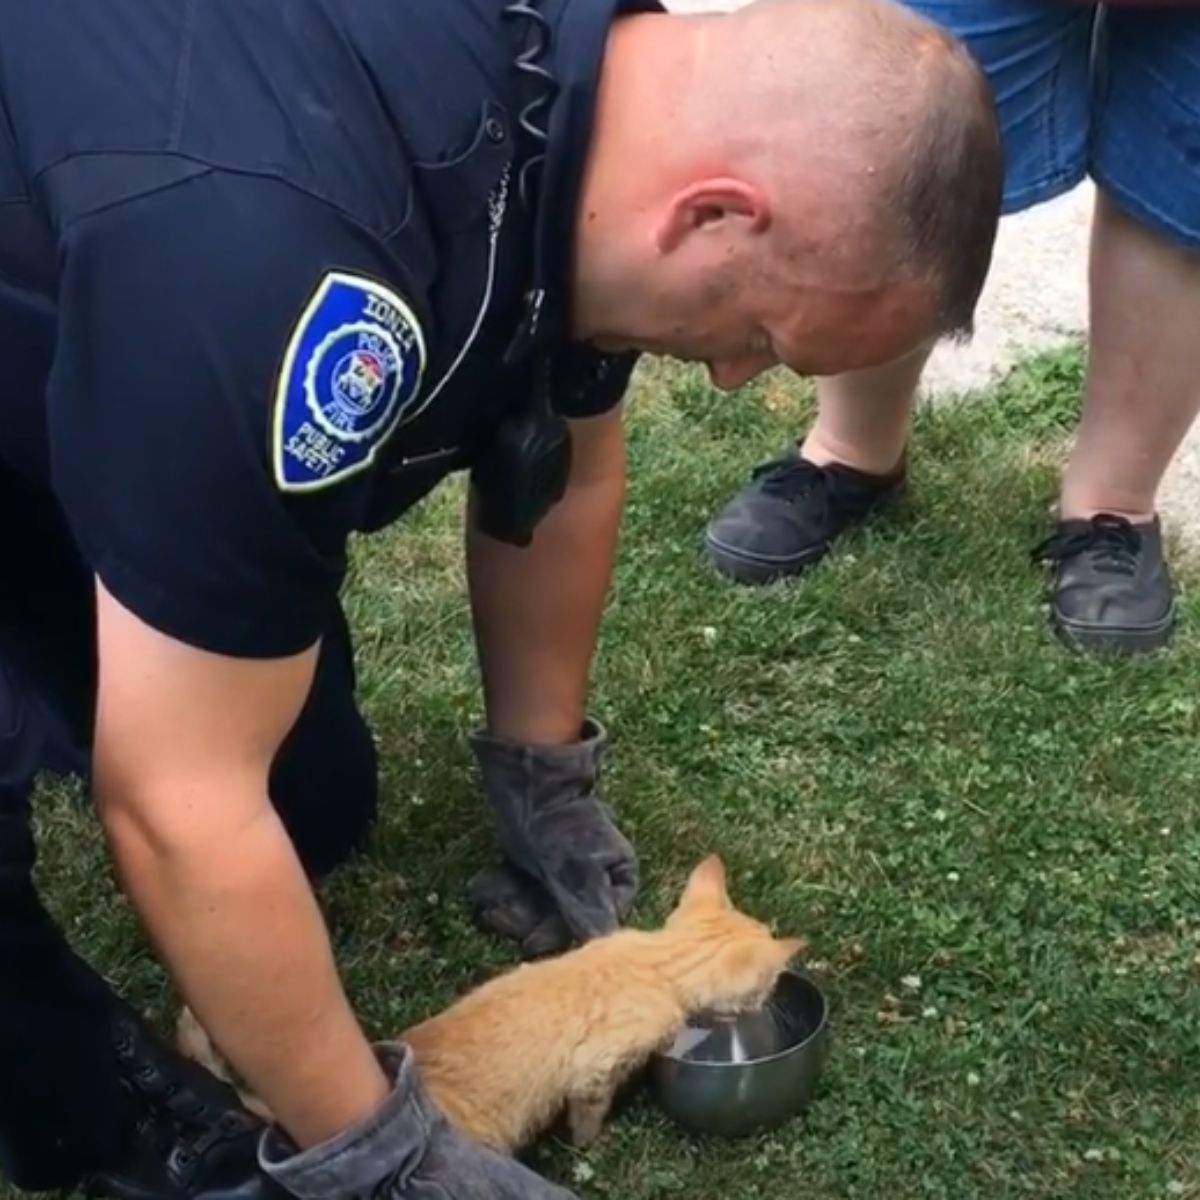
(269, 272)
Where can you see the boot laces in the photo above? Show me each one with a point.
(198, 1123)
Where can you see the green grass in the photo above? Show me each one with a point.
(991, 843)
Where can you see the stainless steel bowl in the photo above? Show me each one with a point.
(732, 1076)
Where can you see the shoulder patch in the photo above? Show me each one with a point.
(352, 369)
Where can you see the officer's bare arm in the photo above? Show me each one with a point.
(537, 611)
(183, 744)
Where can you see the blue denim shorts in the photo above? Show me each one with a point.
(1085, 90)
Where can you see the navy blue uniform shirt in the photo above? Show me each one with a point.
(260, 263)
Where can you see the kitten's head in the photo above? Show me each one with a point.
(727, 961)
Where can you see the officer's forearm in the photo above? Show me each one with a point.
(233, 916)
(537, 610)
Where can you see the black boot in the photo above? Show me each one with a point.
(89, 1097)
(194, 1138)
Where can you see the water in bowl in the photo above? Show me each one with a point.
(740, 1039)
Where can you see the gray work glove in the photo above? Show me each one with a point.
(406, 1151)
(570, 874)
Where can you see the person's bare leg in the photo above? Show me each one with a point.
(1112, 587)
(863, 417)
(1142, 390)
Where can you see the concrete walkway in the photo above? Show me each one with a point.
(1036, 298)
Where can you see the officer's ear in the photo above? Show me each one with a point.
(711, 205)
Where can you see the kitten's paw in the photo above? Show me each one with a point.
(192, 1041)
(585, 1118)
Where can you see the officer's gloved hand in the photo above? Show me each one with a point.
(406, 1151)
(570, 874)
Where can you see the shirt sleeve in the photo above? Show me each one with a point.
(587, 383)
(233, 354)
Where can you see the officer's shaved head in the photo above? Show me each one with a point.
(882, 102)
(834, 165)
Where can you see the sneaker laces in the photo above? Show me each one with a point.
(790, 477)
(1111, 541)
(841, 489)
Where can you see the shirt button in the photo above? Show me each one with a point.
(494, 128)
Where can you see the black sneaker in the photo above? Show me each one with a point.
(195, 1139)
(790, 515)
(1112, 589)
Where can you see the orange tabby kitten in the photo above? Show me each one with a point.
(504, 1061)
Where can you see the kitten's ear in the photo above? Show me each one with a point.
(790, 948)
(706, 886)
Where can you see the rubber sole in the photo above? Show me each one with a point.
(742, 567)
(1116, 639)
